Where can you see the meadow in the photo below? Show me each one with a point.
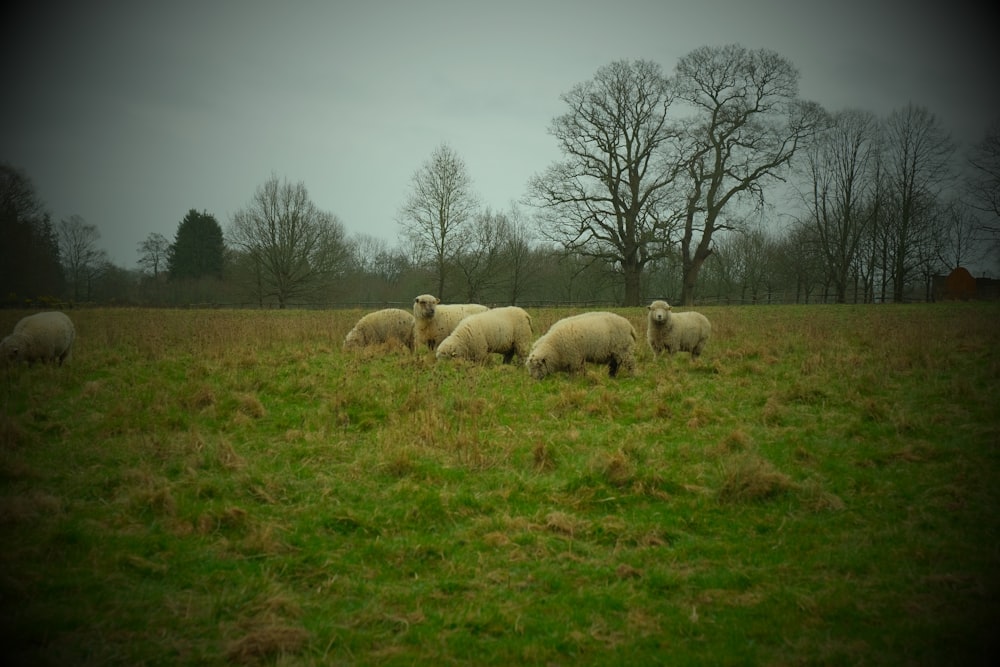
(230, 487)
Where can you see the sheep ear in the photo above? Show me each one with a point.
(437, 301)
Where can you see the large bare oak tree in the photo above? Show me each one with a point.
(608, 198)
(747, 123)
(294, 249)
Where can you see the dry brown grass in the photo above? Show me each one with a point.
(748, 478)
(266, 640)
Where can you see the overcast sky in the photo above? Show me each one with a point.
(129, 114)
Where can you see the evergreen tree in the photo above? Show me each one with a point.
(29, 253)
(198, 250)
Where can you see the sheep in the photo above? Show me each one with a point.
(676, 332)
(382, 326)
(597, 337)
(435, 321)
(506, 331)
(43, 337)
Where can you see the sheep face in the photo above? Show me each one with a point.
(424, 305)
(659, 312)
(537, 366)
(448, 349)
(10, 348)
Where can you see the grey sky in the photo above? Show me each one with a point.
(131, 113)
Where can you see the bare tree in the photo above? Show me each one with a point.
(840, 169)
(376, 269)
(608, 199)
(798, 257)
(374, 257)
(961, 243)
(82, 260)
(744, 261)
(438, 209)
(153, 253)
(482, 262)
(748, 123)
(916, 159)
(295, 249)
(518, 255)
(984, 186)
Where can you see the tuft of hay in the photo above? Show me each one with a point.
(561, 522)
(28, 508)
(227, 457)
(817, 499)
(12, 434)
(545, 458)
(748, 478)
(250, 406)
(265, 641)
(735, 442)
(618, 469)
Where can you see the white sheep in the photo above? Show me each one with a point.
(45, 336)
(597, 337)
(505, 331)
(389, 325)
(434, 321)
(676, 332)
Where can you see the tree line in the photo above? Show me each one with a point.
(714, 182)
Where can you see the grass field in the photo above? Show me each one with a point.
(229, 487)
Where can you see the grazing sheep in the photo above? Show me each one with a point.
(40, 337)
(602, 338)
(505, 331)
(676, 332)
(435, 321)
(383, 326)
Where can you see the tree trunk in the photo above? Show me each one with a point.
(633, 284)
(691, 265)
(440, 282)
(840, 286)
(690, 268)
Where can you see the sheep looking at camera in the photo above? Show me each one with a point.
(435, 321)
(505, 331)
(676, 332)
(45, 336)
(597, 337)
(386, 326)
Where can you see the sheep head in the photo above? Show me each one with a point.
(659, 312)
(424, 305)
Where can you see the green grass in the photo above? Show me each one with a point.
(219, 487)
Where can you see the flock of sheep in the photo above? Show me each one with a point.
(454, 331)
(473, 332)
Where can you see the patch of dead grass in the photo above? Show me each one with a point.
(748, 478)
(250, 406)
(266, 640)
(544, 456)
(617, 468)
(12, 434)
(28, 507)
(565, 523)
